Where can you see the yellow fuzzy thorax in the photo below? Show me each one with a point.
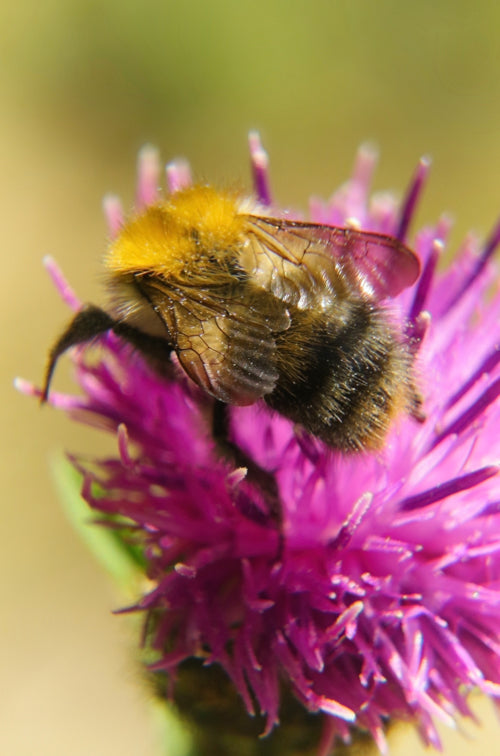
(168, 236)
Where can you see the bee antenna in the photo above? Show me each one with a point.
(87, 324)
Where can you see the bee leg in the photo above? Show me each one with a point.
(155, 349)
(263, 479)
(88, 323)
(91, 322)
(416, 402)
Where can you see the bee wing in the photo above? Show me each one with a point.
(296, 260)
(225, 343)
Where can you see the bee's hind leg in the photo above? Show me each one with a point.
(416, 410)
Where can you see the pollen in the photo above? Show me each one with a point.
(171, 235)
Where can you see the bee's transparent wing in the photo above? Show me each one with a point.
(224, 339)
(298, 261)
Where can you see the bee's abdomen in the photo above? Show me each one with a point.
(343, 374)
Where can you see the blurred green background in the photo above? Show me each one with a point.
(84, 85)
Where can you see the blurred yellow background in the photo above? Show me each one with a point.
(84, 85)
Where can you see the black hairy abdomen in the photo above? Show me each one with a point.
(341, 374)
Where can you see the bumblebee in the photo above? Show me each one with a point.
(262, 308)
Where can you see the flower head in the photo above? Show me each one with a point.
(378, 596)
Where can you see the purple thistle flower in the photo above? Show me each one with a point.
(380, 598)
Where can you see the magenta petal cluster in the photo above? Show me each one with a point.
(380, 596)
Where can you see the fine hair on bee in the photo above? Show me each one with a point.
(262, 308)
